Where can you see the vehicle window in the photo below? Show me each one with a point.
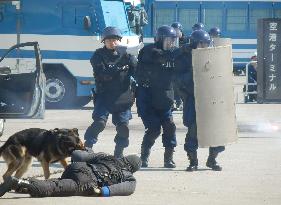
(115, 15)
(256, 14)
(20, 61)
(163, 17)
(212, 17)
(236, 19)
(188, 17)
(277, 13)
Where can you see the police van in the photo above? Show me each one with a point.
(237, 19)
(68, 33)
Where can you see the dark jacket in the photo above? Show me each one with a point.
(113, 174)
(183, 80)
(155, 71)
(112, 73)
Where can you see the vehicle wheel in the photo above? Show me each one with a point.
(82, 101)
(60, 90)
(1, 127)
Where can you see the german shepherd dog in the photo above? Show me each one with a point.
(47, 146)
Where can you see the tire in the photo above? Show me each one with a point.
(1, 126)
(60, 89)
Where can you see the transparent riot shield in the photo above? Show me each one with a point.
(221, 41)
(214, 96)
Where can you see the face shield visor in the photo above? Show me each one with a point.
(170, 43)
(204, 44)
(178, 31)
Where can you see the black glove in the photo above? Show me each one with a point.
(122, 63)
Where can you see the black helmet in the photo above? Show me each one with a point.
(199, 36)
(133, 162)
(111, 32)
(165, 31)
(215, 32)
(198, 26)
(177, 25)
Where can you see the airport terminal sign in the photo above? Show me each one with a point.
(269, 60)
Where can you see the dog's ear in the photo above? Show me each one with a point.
(75, 130)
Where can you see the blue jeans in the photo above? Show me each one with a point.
(100, 117)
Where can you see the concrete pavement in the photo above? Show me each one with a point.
(251, 167)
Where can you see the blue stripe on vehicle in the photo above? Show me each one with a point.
(73, 55)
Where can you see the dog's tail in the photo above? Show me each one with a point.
(1, 150)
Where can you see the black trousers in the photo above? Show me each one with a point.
(78, 179)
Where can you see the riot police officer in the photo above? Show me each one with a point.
(198, 26)
(155, 94)
(182, 40)
(184, 81)
(113, 93)
(90, 174)
(179, 29)
(215, 32)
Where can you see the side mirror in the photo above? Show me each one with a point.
(5, 70)
(87, 22)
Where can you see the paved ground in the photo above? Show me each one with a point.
(251, 167)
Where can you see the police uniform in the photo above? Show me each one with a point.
(155, 98)
(252, 78)
(90, 174)
(113, 94)
(184, 82)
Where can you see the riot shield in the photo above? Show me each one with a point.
(221, 42)
(214, 96)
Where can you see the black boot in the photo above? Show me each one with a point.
(212, 163)
(118, 151)
(193, 161)
(145, 152)
(168, 158)
(9, 184)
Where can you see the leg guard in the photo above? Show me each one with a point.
(121, 139)
(193, 161)
(145, 152)
(92, 132)
(191, 142)
(168, 158)
(149, 138)
(169, 134)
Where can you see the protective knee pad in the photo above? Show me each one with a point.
(123, 130)
(169, 128)
(150, 136)
(52, 187)
(98, 126)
